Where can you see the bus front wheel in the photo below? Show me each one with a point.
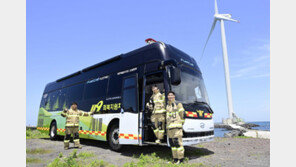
(113, 138)
(53, 131)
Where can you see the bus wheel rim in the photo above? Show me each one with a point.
(52, 131)
(115, 136)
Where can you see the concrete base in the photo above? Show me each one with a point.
(249, 132)
(258, 134)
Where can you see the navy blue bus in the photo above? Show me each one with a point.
(118, 89)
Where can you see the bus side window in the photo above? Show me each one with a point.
(50, 101)
(129, 102)
(95, 90)
(75, 93)
(62, 99)
(54, 103)
(114, 86)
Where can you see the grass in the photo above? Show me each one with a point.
(86, 154)
(78, 160)
(38, 151)
(35, 134)
(85, 159)
(156, 161)
(33, 160)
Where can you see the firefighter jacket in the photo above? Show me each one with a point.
(174, 115)
(72, 116)
(159, 103)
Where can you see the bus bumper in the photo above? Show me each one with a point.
(196, 140)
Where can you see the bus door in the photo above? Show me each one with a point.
(129, 118)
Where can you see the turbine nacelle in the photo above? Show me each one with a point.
(224, 17)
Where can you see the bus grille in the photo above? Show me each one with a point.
(197, 134)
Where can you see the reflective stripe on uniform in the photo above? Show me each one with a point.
(68, 124)
(158, 101)
(76, 140)
(174, 148)
(66, 141)
(72, 115)
(171, 113)
(180, 148)
(156, 130)
(181, 109)
(161, 131)
(160, 111)
(175, 125)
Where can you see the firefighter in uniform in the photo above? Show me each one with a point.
(175, 121)
(72, 124)
(157, 105)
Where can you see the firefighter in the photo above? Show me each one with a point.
(157, 105)
(175, 121)
(72, 124)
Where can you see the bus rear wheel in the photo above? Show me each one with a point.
(113, 138)
(53, 131)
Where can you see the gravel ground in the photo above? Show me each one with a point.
(234, 152)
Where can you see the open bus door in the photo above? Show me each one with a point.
(129, 119)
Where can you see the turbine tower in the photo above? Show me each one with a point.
(222, 18)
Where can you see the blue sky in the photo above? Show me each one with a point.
(66, 36)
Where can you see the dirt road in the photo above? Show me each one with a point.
(221, 152)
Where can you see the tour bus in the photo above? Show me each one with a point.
(118, 89)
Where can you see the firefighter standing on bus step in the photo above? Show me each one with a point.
(72, 124)
(175, 121)
(157, 105)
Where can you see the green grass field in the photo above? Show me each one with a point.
(35, 134)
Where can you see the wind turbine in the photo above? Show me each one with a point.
(221, 18)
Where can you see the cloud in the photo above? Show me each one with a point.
(254, 62)
(243, 72)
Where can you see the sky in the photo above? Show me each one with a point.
(63, 37)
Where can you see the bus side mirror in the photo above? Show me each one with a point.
(175, 75)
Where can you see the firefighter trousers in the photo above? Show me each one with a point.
(176, 143)
(72, 130)
(158, 125)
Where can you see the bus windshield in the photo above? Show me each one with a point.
(192, 88)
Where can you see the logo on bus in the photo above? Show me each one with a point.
(200, 112)
(105, 107)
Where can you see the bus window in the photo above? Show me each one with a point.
(95, 90)
(75, 93)
(62, 99)
(129, 102)
(51, 102)
(44, 100)
(114, 87)
(129, 82)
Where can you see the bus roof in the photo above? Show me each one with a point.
(157, 51)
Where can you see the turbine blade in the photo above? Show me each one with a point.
(216, 7)
(213, 27)
(229, 19)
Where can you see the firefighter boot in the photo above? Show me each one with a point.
(77, 144)
(181, 160)
(176, 161)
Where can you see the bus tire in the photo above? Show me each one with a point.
(53, 131)
(113, 138)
